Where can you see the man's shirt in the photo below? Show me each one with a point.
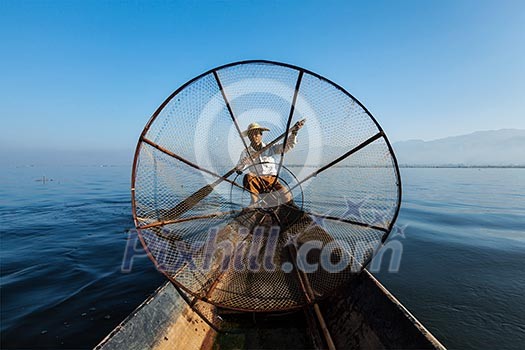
(265, 164)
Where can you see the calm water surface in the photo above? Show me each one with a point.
(463, 253)
(62, 243)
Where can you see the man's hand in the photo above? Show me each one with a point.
(298, 126)
(245, 162)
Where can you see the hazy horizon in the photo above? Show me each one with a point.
(412, 152)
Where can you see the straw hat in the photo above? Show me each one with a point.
(254, 126)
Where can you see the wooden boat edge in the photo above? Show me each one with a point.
(165, 321)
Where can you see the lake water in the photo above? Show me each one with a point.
(63, 239)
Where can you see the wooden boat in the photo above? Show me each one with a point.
(193, 226)
(363, 314)
(359, 314)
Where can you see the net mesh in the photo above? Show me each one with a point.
(201, 227)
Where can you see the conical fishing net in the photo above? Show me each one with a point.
(246, 250)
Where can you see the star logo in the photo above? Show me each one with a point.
(353, 209)
(399, 230)
(318, 220)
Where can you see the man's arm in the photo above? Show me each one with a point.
(244, 161)
(291, 141)
(241, 164)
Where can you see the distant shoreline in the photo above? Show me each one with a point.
(450, 166)
(464, 166)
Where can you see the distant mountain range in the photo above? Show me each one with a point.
(505, 147)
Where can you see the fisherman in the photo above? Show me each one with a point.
(262, 174)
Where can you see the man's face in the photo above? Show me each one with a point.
(255, 137)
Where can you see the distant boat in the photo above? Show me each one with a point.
(44, 179)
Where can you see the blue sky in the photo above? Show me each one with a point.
(87, 75)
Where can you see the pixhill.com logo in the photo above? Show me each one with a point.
(243, 249)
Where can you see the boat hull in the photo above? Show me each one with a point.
(361, 315)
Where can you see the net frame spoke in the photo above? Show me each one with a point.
(190, 218)
(348, 221)
(191, 164)
(230, 111)
(288, 123)
(339, 159)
